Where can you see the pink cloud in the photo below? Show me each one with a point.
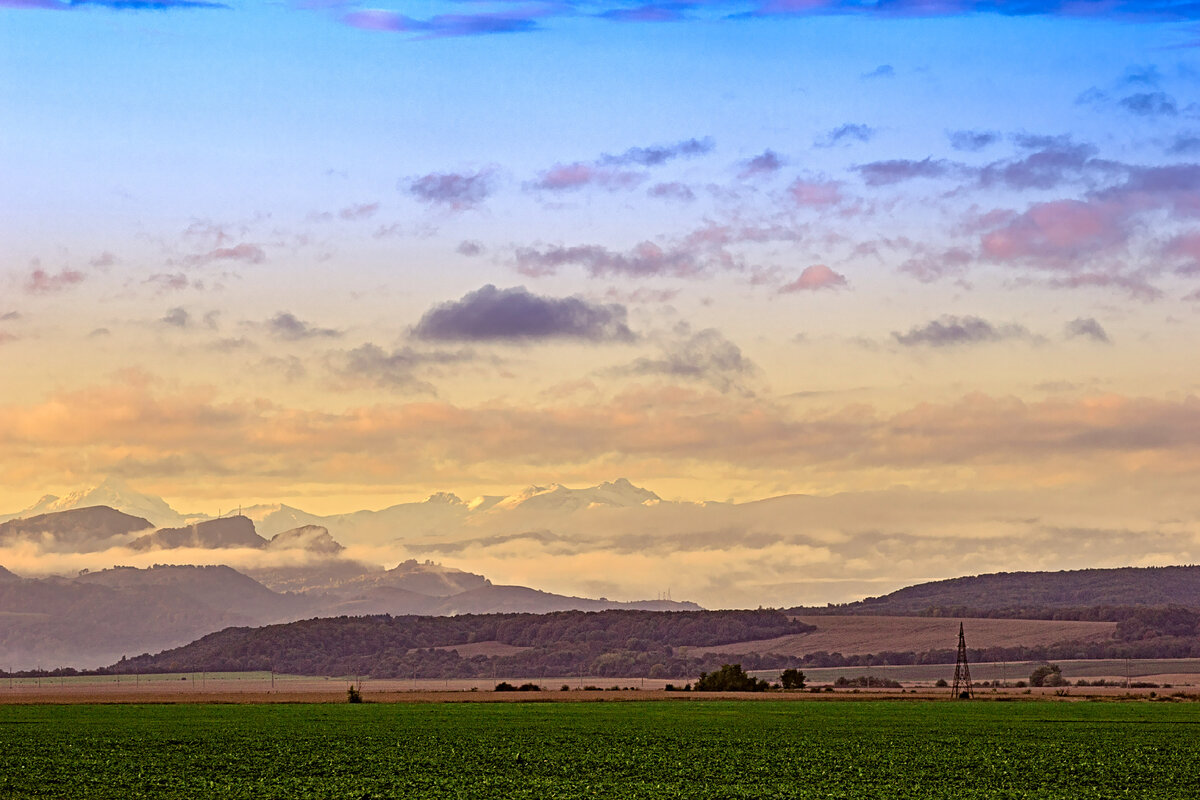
(359, 211)
(42, 282)
(566, 177)
(1186, 247)
(245, 253)
(816, 277)
(1058, 229)
(815, 193)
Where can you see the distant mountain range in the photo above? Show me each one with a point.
(436, 514)
(97, 617)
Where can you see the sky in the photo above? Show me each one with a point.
(344, 255)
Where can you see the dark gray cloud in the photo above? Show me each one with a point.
(672, 191)
(285, 325)
(846, 134)
(1150, 104)
(177, 318)
(767, 162)
(951, 331)
(1185, 144)
(518, 315)
(470, 248)
(705, 356)
(972, 141)
(444, 25)
(1088, 328)
(454, 190)
(1055, 162)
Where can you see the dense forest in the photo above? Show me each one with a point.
(605, 643)
(1088, 594)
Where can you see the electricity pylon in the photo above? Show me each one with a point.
(962, 670)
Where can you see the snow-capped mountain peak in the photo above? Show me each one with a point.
(114, 493)
(556, 497)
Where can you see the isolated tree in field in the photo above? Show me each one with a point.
(792, 679)
(1047, 675)
(729, 678)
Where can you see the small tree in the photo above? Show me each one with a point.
(353, 695)
(792, 679)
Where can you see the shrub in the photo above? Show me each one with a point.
(353, 695)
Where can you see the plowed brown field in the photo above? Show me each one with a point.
(862, 635)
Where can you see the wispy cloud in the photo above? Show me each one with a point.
(768, 162)
(39, 281)
(618, 171)
(884, 173)
(656, 155)
(706, 356)
(116, 5)
(286, 326)
(846, 134)
(443, 25)
(644, 260)
(398, 368)
(972, 141)
(454, 190)
(952, 331)
(1087, 328)
(245, 253)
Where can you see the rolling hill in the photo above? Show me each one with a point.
(1035, 595)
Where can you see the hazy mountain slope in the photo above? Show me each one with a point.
(233, 531)
(217, 587)
(313, 538)
(425, 578)
(79, 530)
(95, 617)
(59, 621)
(1124, 586)
(521, 599)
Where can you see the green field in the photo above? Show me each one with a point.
(686, 749)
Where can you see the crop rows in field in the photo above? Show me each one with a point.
(703, 749)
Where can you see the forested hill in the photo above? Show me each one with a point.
(1078, 594)
(624, 643)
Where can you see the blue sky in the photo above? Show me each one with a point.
(866, 240)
